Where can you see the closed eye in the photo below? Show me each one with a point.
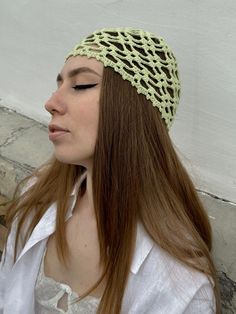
(85, 86)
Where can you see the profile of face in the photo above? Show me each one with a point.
(74, 109)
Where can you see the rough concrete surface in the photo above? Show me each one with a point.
(3, 229)
(223, 221)
(24, 145)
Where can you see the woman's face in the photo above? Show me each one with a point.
(74, 108)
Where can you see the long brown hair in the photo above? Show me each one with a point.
(137, 176)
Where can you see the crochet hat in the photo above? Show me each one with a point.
(140, 57)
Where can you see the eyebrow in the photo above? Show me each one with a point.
(75, 72)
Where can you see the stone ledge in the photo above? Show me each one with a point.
(223, 221)
(24, 145)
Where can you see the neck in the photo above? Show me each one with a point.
(84, 204)
(89, 189)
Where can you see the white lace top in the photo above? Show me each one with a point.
(52, 297)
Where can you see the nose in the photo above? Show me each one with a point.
(55, 104)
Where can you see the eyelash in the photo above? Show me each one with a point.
(85, 86)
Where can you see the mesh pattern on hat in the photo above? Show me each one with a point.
(141, 58)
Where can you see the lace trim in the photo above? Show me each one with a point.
(49, 292)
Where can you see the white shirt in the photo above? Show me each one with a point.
(157, 283)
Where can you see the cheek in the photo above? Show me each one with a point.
(86, 120)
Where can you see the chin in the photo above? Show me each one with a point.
(84, 161)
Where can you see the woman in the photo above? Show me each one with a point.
(112, 224)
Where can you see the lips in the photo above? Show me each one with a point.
(56, 131)
(55, 127)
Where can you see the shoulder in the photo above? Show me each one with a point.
(174, 274)
(183, 286)
(29, 184)
(168, 285)
(10, 243)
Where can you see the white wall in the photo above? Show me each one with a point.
(36, 35)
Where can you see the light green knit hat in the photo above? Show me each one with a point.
(140, 57)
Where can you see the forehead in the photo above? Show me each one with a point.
(80, 62)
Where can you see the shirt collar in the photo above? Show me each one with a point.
(74, 194)
(143, 244)
(78, 183)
